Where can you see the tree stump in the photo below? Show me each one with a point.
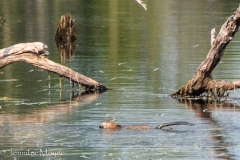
(66, 37)
(202, 81)
(66, 30)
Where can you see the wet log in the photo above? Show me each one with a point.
(202, 82)
(35, 53)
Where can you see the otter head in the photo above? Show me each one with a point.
(110, 125)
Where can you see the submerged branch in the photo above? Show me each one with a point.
(174, 124)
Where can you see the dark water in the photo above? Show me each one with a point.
(142, 56)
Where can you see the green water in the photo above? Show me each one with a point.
(142, 56)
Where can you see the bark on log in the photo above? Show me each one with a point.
(202, 80)
(35, 53)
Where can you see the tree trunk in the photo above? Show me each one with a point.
(202, 81)
(35, 53)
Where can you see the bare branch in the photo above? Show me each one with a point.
(144, 5)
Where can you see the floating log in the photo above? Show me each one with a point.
(202, 81)
(35, 54)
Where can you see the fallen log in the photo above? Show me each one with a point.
(202, 82)
(35, 53)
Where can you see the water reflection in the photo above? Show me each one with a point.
(138, 54)
(50, 112)
(66, 49)
(27, 132)
(219, 134)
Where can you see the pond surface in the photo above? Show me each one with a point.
(141, 56)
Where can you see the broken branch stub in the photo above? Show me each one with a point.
(35, 54)
(202, 80)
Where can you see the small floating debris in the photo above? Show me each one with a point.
(18, 85)
(113, 78)
(120, 63)
(40, 70)
(31, 70)
(8, 80)
(4, 98)
(83, 156)
(196, 45)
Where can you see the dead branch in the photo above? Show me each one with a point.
(35, 54)
(202, 80)
(144, 5)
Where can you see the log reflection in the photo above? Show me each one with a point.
(48, 113)
(204, 109)
(66, 49)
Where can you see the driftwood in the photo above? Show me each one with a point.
(35, 53)
(202, 81)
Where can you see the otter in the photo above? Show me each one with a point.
(114, 125)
